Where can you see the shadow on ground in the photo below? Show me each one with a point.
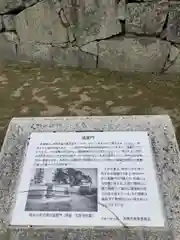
(34, 90)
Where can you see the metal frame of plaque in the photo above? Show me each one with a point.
(149, 141)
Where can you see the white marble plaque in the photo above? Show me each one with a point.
(88, 179)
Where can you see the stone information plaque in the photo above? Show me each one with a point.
(88, 179)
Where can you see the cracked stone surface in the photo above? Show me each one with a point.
(73, 57)
(9, 5)
(40, 24)
(29, 3)
(117, 35)
(173, 61)
(173, 26)
(11, 37)
(91, 47)
(133, 54)
(95, 20)
(1, 23)
(146, 18)
(9, 22)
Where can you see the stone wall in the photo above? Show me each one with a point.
(123, 35)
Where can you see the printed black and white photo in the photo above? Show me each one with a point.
(63, 189)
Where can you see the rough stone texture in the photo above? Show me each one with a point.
(40, 24)
(173, 26)
(1, 23)
(65, 9)
(175, 67)
(66, 56)
(71, 36)
(34, 52)
(11, 36)
(121, 10)
(73, 57)
(29, 3)
(173, 53)
(166, 157)
(95, 20)
(83, 23)
(91, 48)
(7, 48)
(9, 22)
(10, 5)
(173, 63)
(146, 18)
(87, 60)
(133, 54)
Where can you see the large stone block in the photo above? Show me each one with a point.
(92, 19)
(173, 26)
(41, 24)
(133, 54)
(7, 48)
(73, 57)
(10, 5)
(146, 18)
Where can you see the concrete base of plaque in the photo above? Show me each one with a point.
(90, 178)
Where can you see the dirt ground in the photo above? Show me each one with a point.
(41, 90)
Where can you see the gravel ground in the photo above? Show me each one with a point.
(35, 90)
